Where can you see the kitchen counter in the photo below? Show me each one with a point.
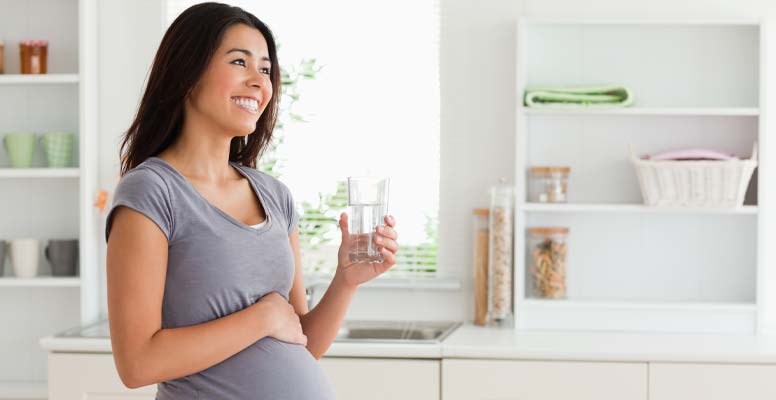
(95, 339)
(470, 341)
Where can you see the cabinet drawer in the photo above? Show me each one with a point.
(94, 376)
(383, 379)
(711, 381)
(540, 380)
(90, 377)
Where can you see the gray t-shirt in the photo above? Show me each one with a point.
(216, 266)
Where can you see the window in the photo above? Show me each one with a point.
(367, 79)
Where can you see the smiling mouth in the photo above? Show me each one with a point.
(246, 103)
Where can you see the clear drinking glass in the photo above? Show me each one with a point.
(367, 206)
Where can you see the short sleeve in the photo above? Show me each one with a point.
(292, 214)
(144, 191)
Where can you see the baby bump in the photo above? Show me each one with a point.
(268, 369)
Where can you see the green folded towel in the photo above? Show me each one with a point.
(602, 96)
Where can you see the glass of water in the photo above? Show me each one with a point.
(367, 208)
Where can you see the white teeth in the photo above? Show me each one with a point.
(248, 104)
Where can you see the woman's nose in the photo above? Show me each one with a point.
(256, 79)
(254, 82)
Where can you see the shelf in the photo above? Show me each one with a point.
(42, 79)
(632, 208)
(655, 111)
(641, 305)
(642, 22)
(639, 316)
(23, 390)
(43, 281)
(40, 172)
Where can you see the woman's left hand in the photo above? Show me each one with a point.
(357, 273)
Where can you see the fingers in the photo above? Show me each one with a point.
(388, 257)
(383, 241)
(343, 223)
(389, 260)
(302, 336)
(390, 220)
(388, 232)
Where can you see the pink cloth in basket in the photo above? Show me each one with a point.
(691, 154)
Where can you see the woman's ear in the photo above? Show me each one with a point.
(187, 98)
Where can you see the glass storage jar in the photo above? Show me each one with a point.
(480, 263)
(500, 254)
(33, 55)
(547, 250)
(2, 61)
(548, 184)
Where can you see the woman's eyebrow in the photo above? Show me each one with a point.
(247, 53)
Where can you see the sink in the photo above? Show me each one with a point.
(351, 331)
(395, 331)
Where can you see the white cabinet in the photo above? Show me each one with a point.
(90, 376)
(383, 379)
(539, 380)
(93, 376)
(711, 382)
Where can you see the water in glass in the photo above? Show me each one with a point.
(367, 208)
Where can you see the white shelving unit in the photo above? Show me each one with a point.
(47, 79)
(47, 203)
(630, 208)
(631, 267)
(43, 281)
(40, 172)
(689, 111)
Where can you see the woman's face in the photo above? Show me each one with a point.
(235, 88)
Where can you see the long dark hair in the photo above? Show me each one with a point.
(183, 56)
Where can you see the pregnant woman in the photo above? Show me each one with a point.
(205, 289)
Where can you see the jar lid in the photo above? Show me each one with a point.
(548, 231)
(481, 211)
(549, 170)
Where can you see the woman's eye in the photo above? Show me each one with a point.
(241, 62)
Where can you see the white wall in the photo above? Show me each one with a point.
(478, 99)
(129, 33)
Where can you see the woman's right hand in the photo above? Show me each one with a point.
(285, 324)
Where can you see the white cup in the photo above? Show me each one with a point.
(24, 257)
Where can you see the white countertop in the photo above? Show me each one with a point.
(337, 349)
(94, 339)
(470, 341)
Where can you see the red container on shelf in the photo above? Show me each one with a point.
(33, 55)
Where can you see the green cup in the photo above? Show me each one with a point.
(20, 148)
(58, 147)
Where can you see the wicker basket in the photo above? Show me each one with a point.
(715, 184)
